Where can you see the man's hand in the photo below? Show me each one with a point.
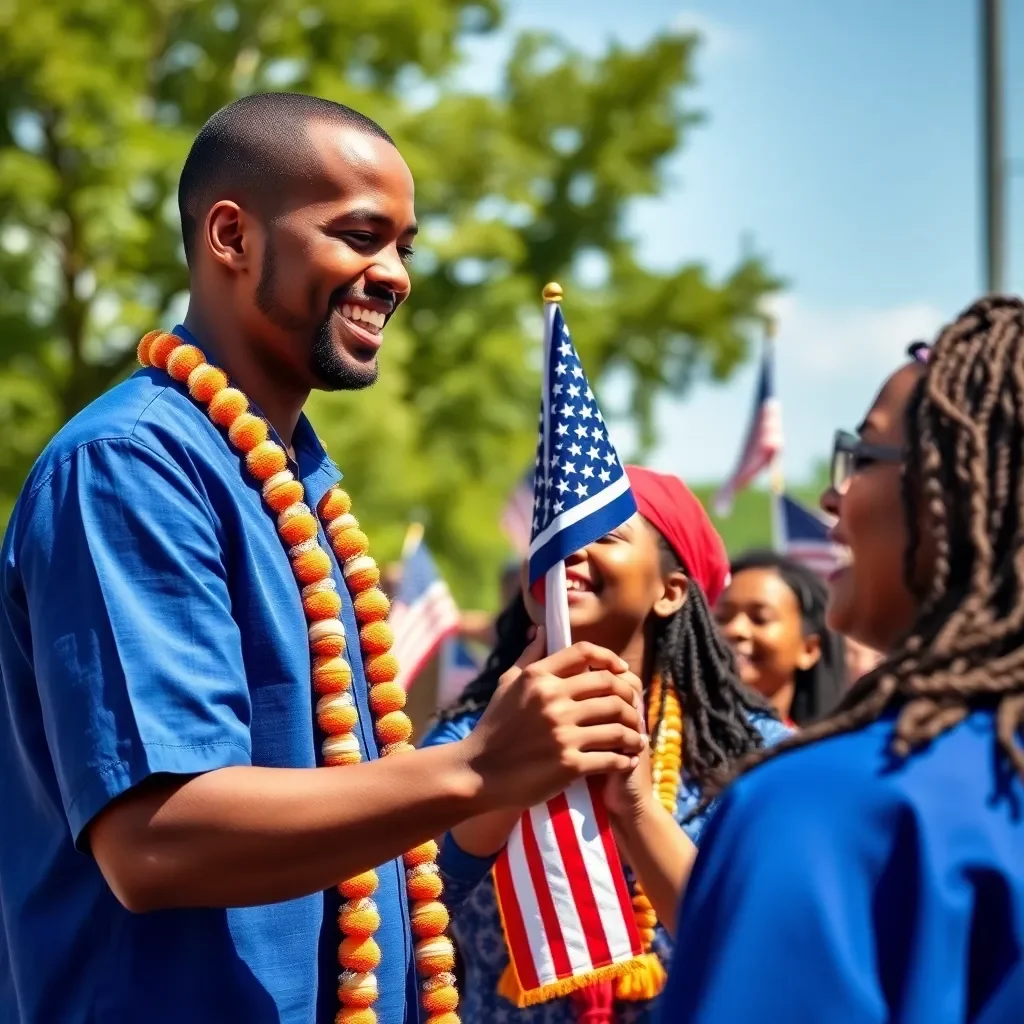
(555, 719)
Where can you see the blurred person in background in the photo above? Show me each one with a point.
(772, 613)
(897, 822)
(644, 590)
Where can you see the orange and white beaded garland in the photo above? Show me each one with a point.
(336, 713)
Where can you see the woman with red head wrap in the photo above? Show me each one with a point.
(643, 592)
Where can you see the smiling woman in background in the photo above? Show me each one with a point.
(772, 613)
(895, 827)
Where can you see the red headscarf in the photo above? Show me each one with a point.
(673, 510)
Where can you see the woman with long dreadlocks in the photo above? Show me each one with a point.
(642, 592)
(772, 614)
(892, 832)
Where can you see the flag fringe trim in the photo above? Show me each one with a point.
(644, 983)
(510, 988)
(642, 973)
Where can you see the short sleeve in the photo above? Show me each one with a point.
(776, 923)
(450, 730)
(772, 730)
(137, 658)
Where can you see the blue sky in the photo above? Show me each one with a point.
(842, 139)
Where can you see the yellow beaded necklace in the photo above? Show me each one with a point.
(666, 776)
(336, 713)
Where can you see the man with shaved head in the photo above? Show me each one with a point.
(195, 668)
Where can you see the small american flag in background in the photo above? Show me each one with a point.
(581, 491)
(423, 614)
(564, 901)
(763, 442)
(804, 536)
(517, 517)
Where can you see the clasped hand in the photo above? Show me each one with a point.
(555, 719)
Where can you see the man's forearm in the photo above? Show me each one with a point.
(245, 836)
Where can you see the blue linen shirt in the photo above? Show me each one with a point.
(150, 623)
(476, 923)
(834, 884)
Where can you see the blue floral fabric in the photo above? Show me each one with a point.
(476, 925)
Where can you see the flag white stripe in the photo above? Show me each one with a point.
(529, 907)
(437, 593)
(561, 893)
(581, 808)
(419, 627)
(418, 645)
(585, 508)
(423, 633)
(429, 622)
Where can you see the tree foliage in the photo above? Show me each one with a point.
(99, 101)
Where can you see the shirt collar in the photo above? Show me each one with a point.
(312, 465)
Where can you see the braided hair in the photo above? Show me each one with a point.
(817, 689)
(687, 650)
(963, 482)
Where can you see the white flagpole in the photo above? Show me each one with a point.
(777, 481)
(412, 541)
(556, 599)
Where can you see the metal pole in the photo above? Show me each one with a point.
(994, 159)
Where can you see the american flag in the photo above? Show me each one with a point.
(517, 517)
(581, 491)
(763, 443)
(423, 614)
(804, 536)
(458, 668)
(564, 900)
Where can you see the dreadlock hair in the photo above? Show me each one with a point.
(962, 482)
(816, 690)
(688, 650)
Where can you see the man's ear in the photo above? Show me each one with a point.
(230, 235)
(674, 594)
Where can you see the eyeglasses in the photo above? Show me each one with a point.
(851, 455)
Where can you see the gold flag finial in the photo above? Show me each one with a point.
(552, 292)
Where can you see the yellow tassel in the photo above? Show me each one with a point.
(644, 983)
(509, 987)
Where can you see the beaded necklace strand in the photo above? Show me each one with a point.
(336, 713)
(666, 777)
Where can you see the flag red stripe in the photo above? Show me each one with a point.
(579, 882)
(515, 928)
(545, 902)
(611, 852)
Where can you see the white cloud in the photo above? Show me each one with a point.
(830, 341)
(719, 39)
(829, 365)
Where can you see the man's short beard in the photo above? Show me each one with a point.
(332, 371)
(329, 368)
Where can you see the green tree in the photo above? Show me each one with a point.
(99, 101)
